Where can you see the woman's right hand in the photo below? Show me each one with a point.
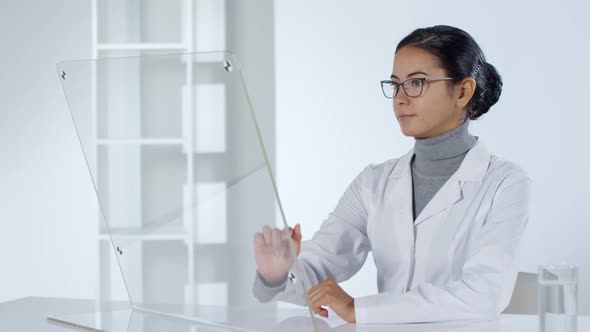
(274, 257)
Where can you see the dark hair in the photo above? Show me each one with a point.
(460, 57)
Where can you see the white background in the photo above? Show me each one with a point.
(332, 120)
(47, 245)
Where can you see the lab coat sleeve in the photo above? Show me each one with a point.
(488, 276)
(336, 251)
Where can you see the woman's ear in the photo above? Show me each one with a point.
(466, 91)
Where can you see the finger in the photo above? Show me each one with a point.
(297, 233)
(315, 307)
(318, 297)
(316, 303)
(267, 233)
(314, 289)
(320, 285)
(285, 234)
(286, 240)
(258, 240)
(276, 238)
(324, 295)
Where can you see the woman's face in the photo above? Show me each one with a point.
(435, 112)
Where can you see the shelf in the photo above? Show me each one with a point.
(140, 141)
(141, 47)
(174, 232)
(143, 237)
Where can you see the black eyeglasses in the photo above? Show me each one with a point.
(412, 87)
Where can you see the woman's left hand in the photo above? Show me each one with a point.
(328, 293)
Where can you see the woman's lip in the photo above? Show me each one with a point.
(403, 116)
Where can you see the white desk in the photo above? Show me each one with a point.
(30, 314)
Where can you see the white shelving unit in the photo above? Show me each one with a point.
(159, 232)
(185, 229)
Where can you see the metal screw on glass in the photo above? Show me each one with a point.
(119, 251)
(412, 87)
(227, 65)
(63, 75)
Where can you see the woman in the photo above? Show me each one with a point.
(443, 221)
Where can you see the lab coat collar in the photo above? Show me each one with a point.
(473, 168)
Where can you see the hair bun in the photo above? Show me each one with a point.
(488, 91)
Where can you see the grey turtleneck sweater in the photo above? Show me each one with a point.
(435, 160)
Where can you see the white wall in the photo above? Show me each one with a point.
(332, 119)
(46, 213)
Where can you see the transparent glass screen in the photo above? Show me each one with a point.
(176, 154)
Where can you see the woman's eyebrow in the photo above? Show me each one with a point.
(410, 74)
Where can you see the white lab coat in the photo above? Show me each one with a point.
(456, 261)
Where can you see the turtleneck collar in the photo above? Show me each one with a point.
(445, 146)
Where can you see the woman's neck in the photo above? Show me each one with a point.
(445, 146)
